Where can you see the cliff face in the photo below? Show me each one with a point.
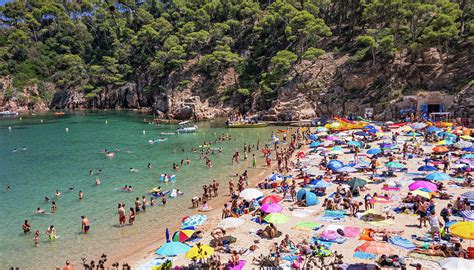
(331, 85)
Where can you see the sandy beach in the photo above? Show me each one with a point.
(394, 187)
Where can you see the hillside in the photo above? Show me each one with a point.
(285, 59)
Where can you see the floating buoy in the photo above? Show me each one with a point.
(144, 132)
(67, 129)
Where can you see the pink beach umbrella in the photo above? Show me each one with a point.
(422, 184)
(271, 208)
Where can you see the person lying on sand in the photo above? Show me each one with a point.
(433, 250)
(269, 232)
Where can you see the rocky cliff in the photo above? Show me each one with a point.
(331, 85)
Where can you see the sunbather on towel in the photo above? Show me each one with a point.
(433, 250)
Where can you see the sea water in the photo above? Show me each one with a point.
(60, 151)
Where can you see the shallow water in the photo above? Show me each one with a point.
(57, 160)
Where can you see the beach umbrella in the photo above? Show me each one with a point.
(456, 263)
(422, 184)
(427, 168)
(332, 138)
(356, 182)
(306, 225)
(469, 195)
(374, 247)
(313, 137)
(272, 199)
(335, 164)
(199, 251)
(468, 156)
(406, 128)
(361, 133)
(440, 149)
(467, 137)
(230, 222)
(250, 193)
(414, 134)
(463, 144)
(394, 165)
(374, 151)
(437, 176)
(274, 177)
(276, 218)
(314, 144)
(445, 142)
(335, 125)
(463, 229)
(182, 235)
(385, 145)
(172, 249)
(195, 220)
(321, 129)
(465, 161)
(354, 143)
(422, 193)
(419, 125)
(271, 208)
(346, 169)
(468, 149)
(321, 184)
(433, 129)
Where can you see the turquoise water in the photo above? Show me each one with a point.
(57, 160)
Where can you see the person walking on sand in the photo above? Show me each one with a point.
(85, 224)
(254, 161)
(121, 214)
(215, 187)
(231, 187)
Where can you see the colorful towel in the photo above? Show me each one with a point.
(302, 212)
(351, 232)
(402, 242)
(391, 188)
(330, 219)
(326, 244)
(257, 221)
(364, 255)
(335, 213)
(238, 266)
(468, 214)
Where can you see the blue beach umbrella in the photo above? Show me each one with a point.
(313, 137)
(416, 134)
(314, 144)
(468, 149)
(195, 220)
(321, 184)
(419, 125)
(374, 151)
(369, 127)
(335, 164)
(468, 156)
(361, 133)
(469, 195)
(433, 129)
(386, 145)
(437, 176)
(354, 143)
(321, 129)
(172, 249)
(427, 168)
(394, 165)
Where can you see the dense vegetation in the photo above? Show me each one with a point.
(88, 45)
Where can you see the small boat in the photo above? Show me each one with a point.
(8, 113)
(246, 125)
(185, 127)
(167, 133)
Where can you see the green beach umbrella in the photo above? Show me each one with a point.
(356, 182)
(276, 218)
(394, 165)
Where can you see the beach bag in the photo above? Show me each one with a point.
(340, 232)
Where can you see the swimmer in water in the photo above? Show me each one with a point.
(14, 150)
(36, 238)
(26, 227)
(133, 170)
(97, 181)
(71, 188)
(46, 199)
(8, 188)
(81, 195)
(149, 166)
(40, 211)
(54, 207)
(23, 148)
(91, 172)
(51, 232)
(58, 193)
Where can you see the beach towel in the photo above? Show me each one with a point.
(289, 257)
(326, 244)
(329, 235)
(402, 242)
(335, 213)
(255, 219)
(238, 266)
(364, 255)
(302, 212)
(152, 263)
(333, 227)
(338, 240)
(391, 188)
(351, 232)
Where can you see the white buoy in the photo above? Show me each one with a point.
(10, 128)
(67, 129)
(144, 132)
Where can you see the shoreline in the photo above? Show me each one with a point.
(145, 252)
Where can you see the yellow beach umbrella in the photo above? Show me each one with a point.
(335, 125)
(422, 193)
(463, 229)
(467, 137)
(199, 251)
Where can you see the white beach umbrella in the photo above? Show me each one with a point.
(231, 222)
(250, 193)
(456, 264)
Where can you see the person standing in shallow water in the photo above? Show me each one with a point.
(121, 213)
(85, 224)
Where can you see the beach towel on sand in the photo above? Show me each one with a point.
(402, 242)
(364, 255)
(302, 212)
(351, 232)
(238, 266)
